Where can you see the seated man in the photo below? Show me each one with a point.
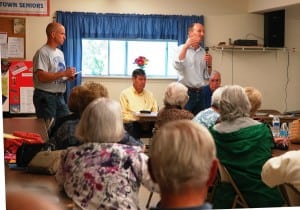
(214, 82)
(187, 167)
(135, 99)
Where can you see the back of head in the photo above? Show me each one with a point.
(255, 98)
(101, 121)
(234, 103)
(76, 97)
(181, 155)
(98, 89)
(216, 96)
(176, 94)
(82, 95)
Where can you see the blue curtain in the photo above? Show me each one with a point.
(80, 25)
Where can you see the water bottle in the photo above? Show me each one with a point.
(284, 130)
(276, 126)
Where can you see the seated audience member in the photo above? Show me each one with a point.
(255, 98)
(187, 167)
(101, 173)
(214, 83)
(80, 97)
(135, 99)
(243, 146)
(174, 100)
(75, 103)
(282, 169)
(208, 117)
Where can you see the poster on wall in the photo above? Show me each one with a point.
(20, 87)
(25, 7)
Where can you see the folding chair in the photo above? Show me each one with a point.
(225, 177)
(290, 194)
(149, 200)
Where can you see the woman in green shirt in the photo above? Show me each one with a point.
(243, 146)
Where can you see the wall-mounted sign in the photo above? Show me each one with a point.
(24, 7)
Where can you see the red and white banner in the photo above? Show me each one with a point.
(24, 7)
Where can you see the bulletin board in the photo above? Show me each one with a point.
(13, 37)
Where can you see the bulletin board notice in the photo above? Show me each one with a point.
(12, 38)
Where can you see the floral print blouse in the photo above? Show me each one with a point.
(208, 117)
(104, 175)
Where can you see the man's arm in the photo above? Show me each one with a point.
(125, 107)
(182, 52)
(44, 76)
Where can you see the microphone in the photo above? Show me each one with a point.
(205, 72)
(206, 51)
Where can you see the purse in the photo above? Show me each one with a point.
(294, 132)
(27, 151)
(45, 162)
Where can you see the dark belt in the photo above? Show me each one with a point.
(50, 93)
(195, 89)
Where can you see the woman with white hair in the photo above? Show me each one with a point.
(175, 98)
(243, 146)
(101, 173)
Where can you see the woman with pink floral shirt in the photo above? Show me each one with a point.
(100, 173)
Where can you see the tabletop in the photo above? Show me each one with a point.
(43, 183)
(292, 146)
(268, 119)
(27, 124)
(16, 176)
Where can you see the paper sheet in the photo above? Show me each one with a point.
(26, 103)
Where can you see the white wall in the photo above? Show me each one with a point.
(224, 19)
(267, 5)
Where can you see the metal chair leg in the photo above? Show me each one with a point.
(149, 199)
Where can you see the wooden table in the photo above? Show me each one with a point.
(45, 184)
(292, 146)
(283, 118)
(25, 124)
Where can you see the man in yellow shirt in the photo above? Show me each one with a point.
(135, 99)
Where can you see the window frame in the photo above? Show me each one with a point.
(168, 59)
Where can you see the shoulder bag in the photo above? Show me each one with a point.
(45, 162)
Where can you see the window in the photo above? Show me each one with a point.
(116, 57)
